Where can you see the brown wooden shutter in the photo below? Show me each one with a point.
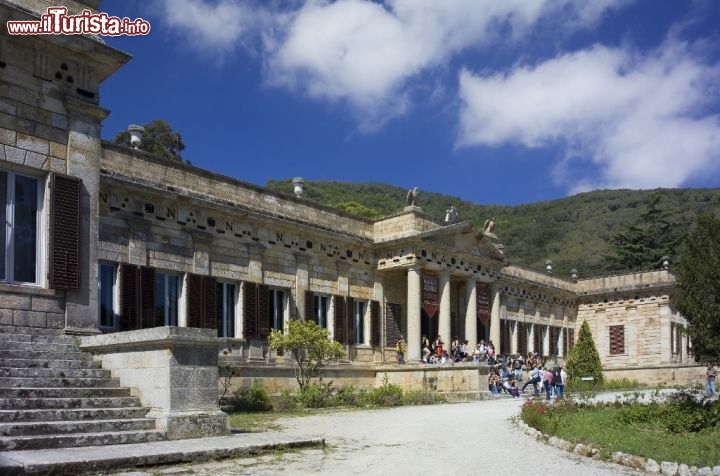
(147, 298)
(209, 293)
(194, 301)
(504, 337)
(340, 324)
(263, 311)
(554, 333)
(250, 330)
(352, 330)
(310, 307)
(129, 302)
(522, 338)
(617, 339)
(65, 232)
(393, 323)
(375, 323)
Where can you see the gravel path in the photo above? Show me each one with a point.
(450, 439)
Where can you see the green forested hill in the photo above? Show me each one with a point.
(574, 232)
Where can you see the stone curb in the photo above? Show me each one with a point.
(649, 466)
(69, 461)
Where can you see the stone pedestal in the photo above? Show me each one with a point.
(175, 373)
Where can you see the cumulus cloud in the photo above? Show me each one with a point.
(642, 119)
(214, 27)
(365, 53)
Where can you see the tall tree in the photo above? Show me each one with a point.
(697, 290)
(158, 139)
(584, 360)
(641, 245)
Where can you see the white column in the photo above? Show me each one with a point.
(471, 319)
(414, 302)
(444, 324)
(495, 320)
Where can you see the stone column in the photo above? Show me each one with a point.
(83, 161)
(666, 333)
(302, 281)
(414, 304)
(471, 320)
(495, 319)
(444, 323)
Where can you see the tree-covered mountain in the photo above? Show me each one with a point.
(597, 233)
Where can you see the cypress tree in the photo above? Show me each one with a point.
(584, 360)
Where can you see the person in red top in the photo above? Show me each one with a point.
(548, 383)
(439, 346)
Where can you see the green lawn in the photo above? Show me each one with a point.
(610, 429)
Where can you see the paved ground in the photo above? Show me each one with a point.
(453, 439)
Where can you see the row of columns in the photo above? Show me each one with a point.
(414, 306)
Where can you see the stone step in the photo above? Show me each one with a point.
(74, 414)
(60, 392)
(60, 403)
(71, 349)
(29, 382)
(79, 439)
(31, 331)
(44, 356)
(63, 363)
(64, 427)
(53, 373)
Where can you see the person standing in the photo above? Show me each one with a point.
(710, 383)
(559, 380)
(400, 350)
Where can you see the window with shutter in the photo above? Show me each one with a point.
(375, 323)
(569, 340)
(522, 331)
(340, 319)
(107, 308)
(225, 309)
(130, 304)
(617, 340)
(194, 301)
(538, 339)
(554, 336)
(393, 323)
(209, 298)
(250, 329)
(352, 320)
(64, 232)
(152, 315)
(310, 307)
(504, 336)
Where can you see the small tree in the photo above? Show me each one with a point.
(310, 346)
(584, 360)
(697, 289)
(159, 139)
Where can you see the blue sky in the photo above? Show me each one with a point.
(496, 102)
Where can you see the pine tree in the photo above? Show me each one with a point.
(697, 289)
(584, 360)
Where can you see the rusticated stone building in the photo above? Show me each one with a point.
(103, 238)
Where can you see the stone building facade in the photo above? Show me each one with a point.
(103, 238)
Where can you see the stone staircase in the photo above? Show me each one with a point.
(53, 395)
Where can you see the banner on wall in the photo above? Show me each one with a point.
(430, 286)
(483, 302)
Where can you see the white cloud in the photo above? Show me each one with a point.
(365, 53)
(642, 120)
(214, 28)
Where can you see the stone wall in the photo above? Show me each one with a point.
(402, 225)
(22, 306)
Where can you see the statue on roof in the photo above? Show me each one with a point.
(489, 225)
(412, 196)
(451, 215)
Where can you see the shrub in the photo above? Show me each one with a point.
(584, 360)
(286, 402)
(386, 395)
(316, 395)
(248, 399)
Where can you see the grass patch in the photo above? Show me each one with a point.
(256, 422)
(685, 429)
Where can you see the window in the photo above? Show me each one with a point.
(359, 316)
(21, 199)
(617, 340)
(167, 295)
(276, 313)
(321, 310)
(107, 286)
(225, 293)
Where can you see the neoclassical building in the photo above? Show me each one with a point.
(103, 238)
